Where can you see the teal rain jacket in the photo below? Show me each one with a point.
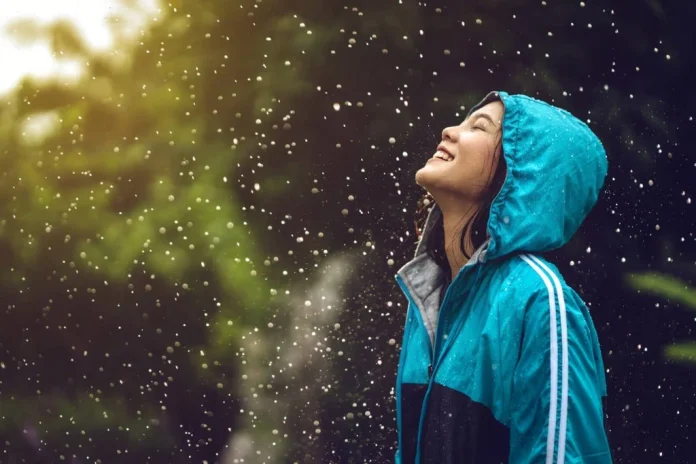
(507, 367)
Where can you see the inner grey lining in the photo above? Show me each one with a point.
(425, 280)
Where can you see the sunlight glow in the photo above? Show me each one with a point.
(95, 19)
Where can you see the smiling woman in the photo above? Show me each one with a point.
(25, 46)
(463, 177)
(500, 360)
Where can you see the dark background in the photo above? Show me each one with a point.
(110, 351)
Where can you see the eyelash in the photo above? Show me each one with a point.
(480, 128)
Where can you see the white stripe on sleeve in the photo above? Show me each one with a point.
(564, 361)
(553, 378)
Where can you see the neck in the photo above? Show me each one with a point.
(453, 220)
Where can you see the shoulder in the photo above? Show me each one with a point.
(525, 275)
(535, 293)
(530, 280)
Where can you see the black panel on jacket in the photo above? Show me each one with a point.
(412, 395)
(456, 430)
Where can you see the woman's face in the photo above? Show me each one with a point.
(473, 146)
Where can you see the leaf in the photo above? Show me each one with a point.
(682, 352)
(674, 290)
(665, 286)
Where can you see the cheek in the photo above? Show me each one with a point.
(473, 155)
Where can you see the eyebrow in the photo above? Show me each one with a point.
(475, 116)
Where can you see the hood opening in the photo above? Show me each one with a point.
(556, 167)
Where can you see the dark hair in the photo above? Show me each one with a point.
(477, 224)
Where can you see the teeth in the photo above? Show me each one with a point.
(443, 155)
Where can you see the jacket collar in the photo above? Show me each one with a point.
(424, 279)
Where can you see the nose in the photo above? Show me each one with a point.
(449, 134)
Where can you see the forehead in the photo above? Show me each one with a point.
(493, 109)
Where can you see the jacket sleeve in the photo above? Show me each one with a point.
(558, 383)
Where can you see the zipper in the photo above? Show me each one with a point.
(431, 369)
(434, 353)
(433, 360)
(407, 330)
(462, 318)
(438, 335)
(432, 350)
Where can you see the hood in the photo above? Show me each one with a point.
(556, 168)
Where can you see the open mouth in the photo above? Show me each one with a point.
(443, 155)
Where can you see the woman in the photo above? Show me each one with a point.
(500, 361)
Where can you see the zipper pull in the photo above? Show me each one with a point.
(430, 370)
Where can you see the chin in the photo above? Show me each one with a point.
(425, 177)
(422, 176)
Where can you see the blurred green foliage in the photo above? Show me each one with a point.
(673, 290)
(153, 214)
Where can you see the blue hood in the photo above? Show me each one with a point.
(556, 168)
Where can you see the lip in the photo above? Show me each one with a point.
(442, 147)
